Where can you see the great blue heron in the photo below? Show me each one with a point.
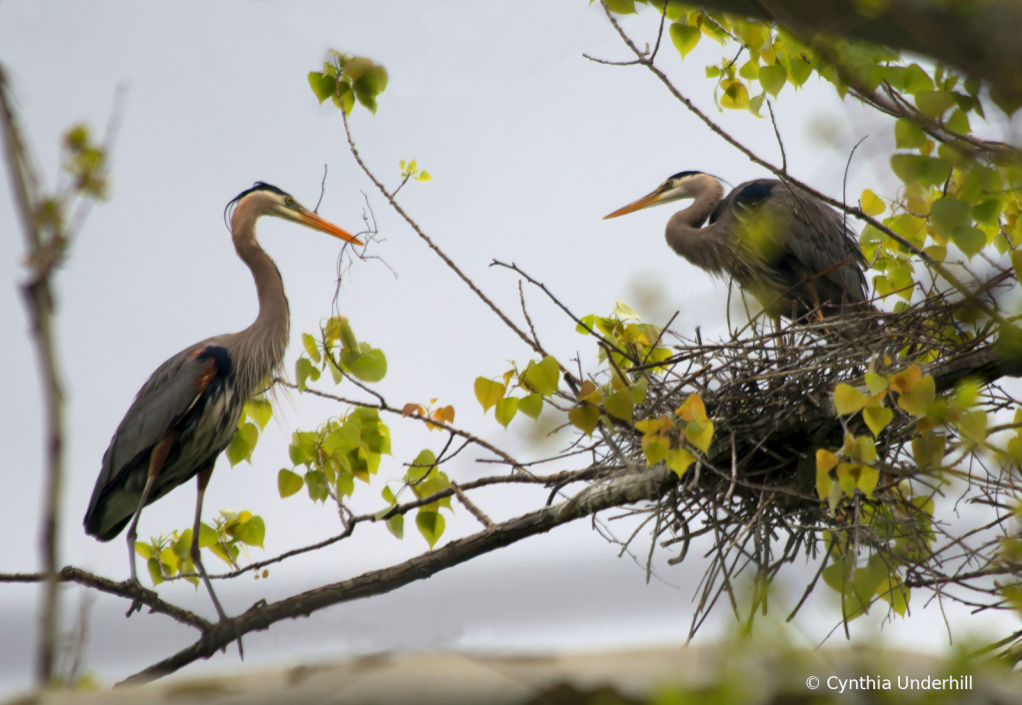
(792, 252)
(186, 413)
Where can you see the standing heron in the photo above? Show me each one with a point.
(188, 410)
(789, 250)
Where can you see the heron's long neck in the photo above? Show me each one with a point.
(685, 234)
(262, 344)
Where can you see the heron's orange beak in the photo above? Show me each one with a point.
(315, 222)
(637, 205)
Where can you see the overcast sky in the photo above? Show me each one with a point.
(529, 145)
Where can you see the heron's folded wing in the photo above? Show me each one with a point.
(161, 403)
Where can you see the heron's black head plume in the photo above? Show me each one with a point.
(257, 186)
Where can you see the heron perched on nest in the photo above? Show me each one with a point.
(793, 253)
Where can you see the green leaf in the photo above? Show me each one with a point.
(892, 591)
(969, 240)
(322, 85)
(684, 38)
(369, 366)
(772, 78)
(917, 401)
(303, 372)
(316, 486)
(542, 377)
(531, 405)
(488, 392)
(368, 86)
(309, 343)
(620, 404)
(584, 417)
(1008, 103)
(423, 465)
(800, 71)
(586, 324)
(848, 400)
(430, 525)
(242, 443)
(877, 418)
(736, 95)
(144, 550)
(259, 410)
(155, 571)
(506, 410)
(1016, 263)
(639, 390)
(621, 7)
(288, 483)
(932, 104)
(250, 533)
(208, 536)
(396, 526)
(947, 214)
(928, 171)
(876, 383)
(908, 135)
(183, 545)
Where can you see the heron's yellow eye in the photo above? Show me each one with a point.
(288, 201)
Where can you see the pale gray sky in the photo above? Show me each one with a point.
(529, 145)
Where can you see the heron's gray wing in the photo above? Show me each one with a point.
(823, 244)
(163, 400)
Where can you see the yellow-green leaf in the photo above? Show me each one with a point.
(917, 401)
(488, 392)
(531, 405)
(655, 449)
(542, 377)
(895, 593)
(848, 400)
(772, 78)
(875, 383)
(155, 571)
(620, 404)
(506, 410)
(684, 38)
(309, 343)
(259, 410)
(736, 95)
(144, 550)
(974, 425)
(584, 417)
(679, 460)
(288, 483)
(877, 418)
(868, 479)
(430, 525)
(700, 434)
(871, 203)
(396, 526)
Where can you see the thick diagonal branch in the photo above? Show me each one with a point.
(624, 489)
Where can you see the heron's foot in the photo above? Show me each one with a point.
(132, 585)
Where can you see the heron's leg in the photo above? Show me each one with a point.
(196, 554)
(157, 457)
